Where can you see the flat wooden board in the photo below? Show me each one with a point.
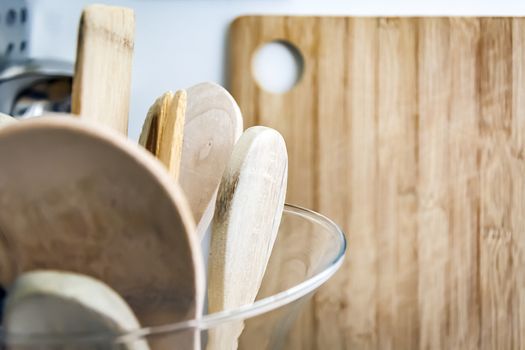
(410, 133)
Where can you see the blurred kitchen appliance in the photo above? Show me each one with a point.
(28, 86)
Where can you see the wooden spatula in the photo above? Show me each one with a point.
(59, 304)
(82, 198)
(163, 129)
(102, 82)
(213, 126)
(247, 216)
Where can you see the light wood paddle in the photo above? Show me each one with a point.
(102, 82)
(162, 133)
(81, 198)
(213, 126)
(247, 217)
(58, 304)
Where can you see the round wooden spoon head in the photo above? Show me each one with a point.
(54, 303)
(247, 216)
(84, 199)
(213, 126)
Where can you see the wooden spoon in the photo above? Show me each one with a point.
(162, 133)
(58, 304)
(82, 198)
(247, 217)
(213, 126)
(102, 82)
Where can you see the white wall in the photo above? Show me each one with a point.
(181, 42)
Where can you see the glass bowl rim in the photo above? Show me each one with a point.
(208, 321)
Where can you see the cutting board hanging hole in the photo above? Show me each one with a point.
(277, 66)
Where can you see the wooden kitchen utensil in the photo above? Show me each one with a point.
(102, 82)
(58, 304)
(409, 132)
(247, 216)
(213, 126)
(82, 198)
(162, 133)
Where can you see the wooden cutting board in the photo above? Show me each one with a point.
(410, 133)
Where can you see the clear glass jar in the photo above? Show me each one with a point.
(308, 251)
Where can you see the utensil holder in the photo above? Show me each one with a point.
(308, 251)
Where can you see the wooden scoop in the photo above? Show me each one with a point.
(82, 198)
(59, 304)
(213, 126)
(102, 82)
(247, 217)
(162, 133)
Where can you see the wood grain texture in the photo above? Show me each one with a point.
(213, 125)
(170, 149)
(163, 130)
(102, 82)
(84, 199)
(409, 132)
(247, 216)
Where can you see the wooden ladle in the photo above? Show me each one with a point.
(81, 198)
